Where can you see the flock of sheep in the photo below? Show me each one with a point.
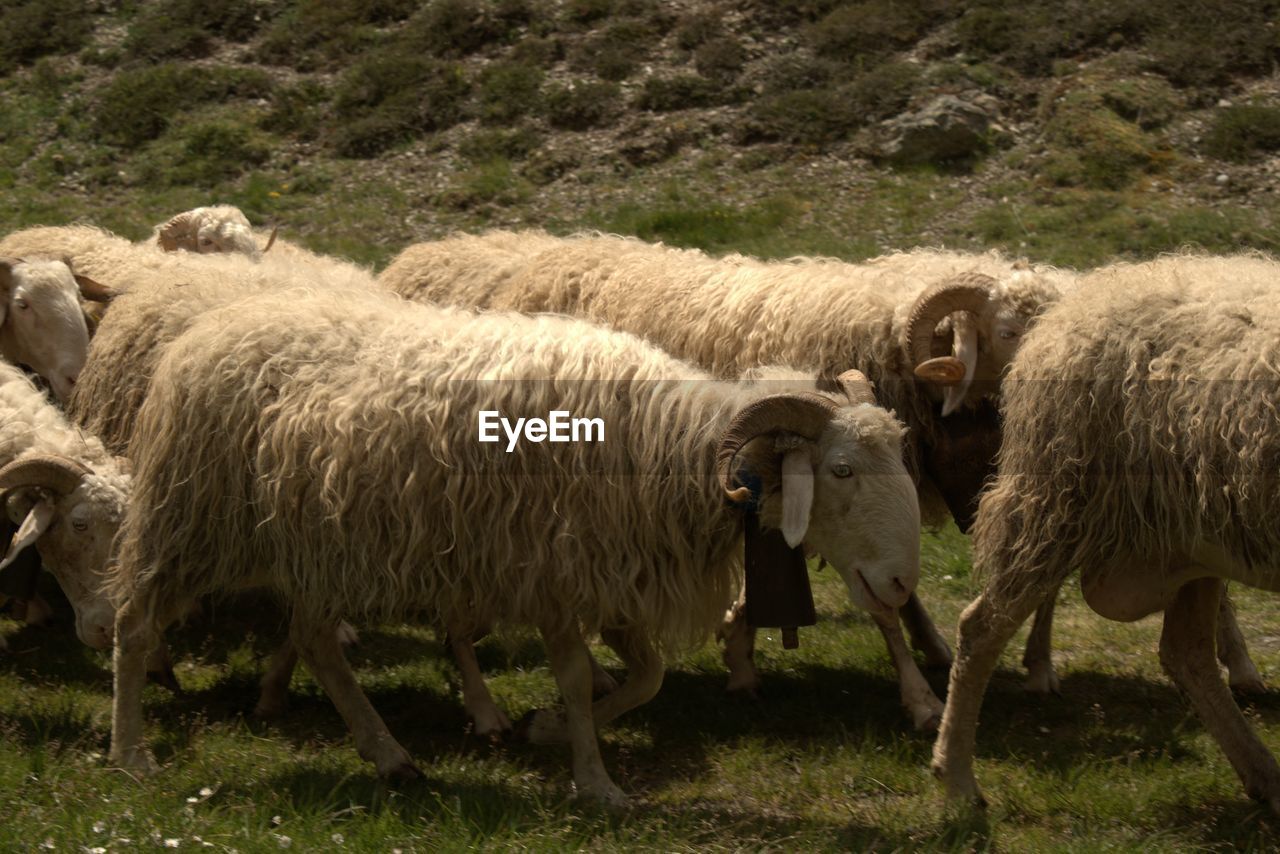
(251, 415)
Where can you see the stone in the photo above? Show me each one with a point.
(947, 128)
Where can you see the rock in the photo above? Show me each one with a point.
(946, 128)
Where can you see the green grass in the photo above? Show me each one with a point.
(825, 759)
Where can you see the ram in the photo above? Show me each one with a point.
(334, 438)
(1140, 447)
(732, 314)
(66, 495)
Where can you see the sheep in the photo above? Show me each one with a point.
(41, 325)
(66, 494)
(731, 314)
(1140, 440)
(334, 438)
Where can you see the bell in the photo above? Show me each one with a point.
(777, 582)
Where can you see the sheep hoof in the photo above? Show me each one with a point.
(165, 678)
(744, 685)
(347, 634)
(137, 760)
(607, 795)
(490, 723)
(602, 683)
(402, 771)
(1249, 687)
(270, 708)
(543, 726)
(1042, 680)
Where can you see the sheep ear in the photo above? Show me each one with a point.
(36, 523)
(797, 495)
(966, 350)
(92, 290)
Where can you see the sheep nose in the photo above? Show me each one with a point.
(71, 381)
(899, 587)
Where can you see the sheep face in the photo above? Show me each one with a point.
(73, 531)
(848, 497)
(41, 323)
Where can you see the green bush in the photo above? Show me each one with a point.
(137, 105)
(615, 53)
(205, 153)
(389, 98)
(582, 105)
(697, 28)
(315, 34)
(884, 90)
(1096, 147)
(460, 27)
(581, 13)
(187, 28)
(1241, 131)
(499, 143)
(492, 183)
(871, 29)
(298, 110)
(720, 59)
(509, 90)
(661, 94)
(811, 117)
(537, 51)
(30, 29)
(790, 72)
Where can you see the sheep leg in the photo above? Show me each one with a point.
(136, 636)
(485, 715)
(1038, 658)
(917, 697)
(273, 693)
(925, 635)
(1242, 675)
(1186, 652)
(739, 650)
(644, 677)
(319, 647)
(986, 627)
(572, 669)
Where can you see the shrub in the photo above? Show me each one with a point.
(870, 29)
(137, 105)
(459, 27)
(389, 98)
(316, 34)
(884, 90)
(30, 29)
(812, 116)
(298, 110)
(508, 90)
(583, 12)
(582, 105)
(187, 28)
(790, 72)
(1097, 147)
(206, 153)
(720, 59)
(493, 144)
(682, 92)
(616, 52)
(537, 51)
(1241, 131)
(493, 182)
(697, 28)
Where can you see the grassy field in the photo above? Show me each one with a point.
(825, 759)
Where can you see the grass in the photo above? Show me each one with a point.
(824, 760)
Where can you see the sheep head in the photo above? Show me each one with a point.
(42, 325)
(830, 475)
(984, 332)
(70, 513)
(218, 228)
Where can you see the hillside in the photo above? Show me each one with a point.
(1067, 131)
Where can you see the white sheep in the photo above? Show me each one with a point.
(67, 496)
(41, 325)
(334, 438)
(732, 314)
(1140, 447)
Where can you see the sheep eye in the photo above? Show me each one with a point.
(80, 525)
(1008, 334)
(21, 302)
(841, 470)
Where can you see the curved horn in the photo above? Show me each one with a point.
(271, 241)
(60, 474)
(170, 235)
(6, 272)
(803, 414)
(857, 387)
(964, 292)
